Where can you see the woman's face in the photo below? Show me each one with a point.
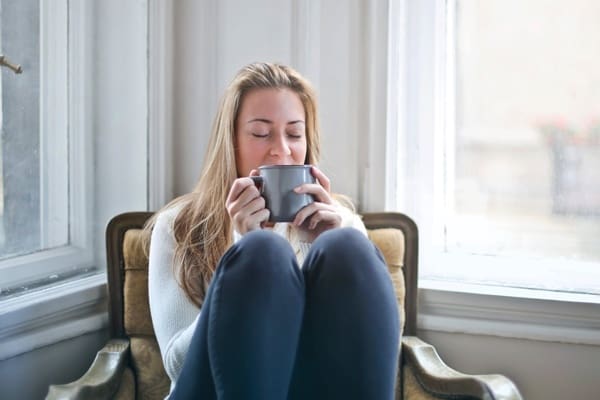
(270, 129)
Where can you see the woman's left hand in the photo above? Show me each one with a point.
(321, 215)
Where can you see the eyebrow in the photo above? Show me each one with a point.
(267, 121)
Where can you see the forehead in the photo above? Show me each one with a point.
(273, 103)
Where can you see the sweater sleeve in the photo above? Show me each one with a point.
(350, 219)
(174, 316)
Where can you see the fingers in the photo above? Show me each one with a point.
(323, 213)
(320, 190)
(316, 213)
(245, 206)
(239, 185)
(327, 218)
(317, 191)
(251, 216)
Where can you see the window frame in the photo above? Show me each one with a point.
(437, 153)
(54, 126)
(67, 133)
(416, 90)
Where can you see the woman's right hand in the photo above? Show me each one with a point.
(245, 206)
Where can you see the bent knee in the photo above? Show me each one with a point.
(260, 240)
(263, 249)
(345, 248)
(343, 242)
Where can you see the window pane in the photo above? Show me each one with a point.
(525, 159)
(33, 190)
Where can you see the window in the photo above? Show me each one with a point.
(44, 232)
(89, 142)
(502, 142)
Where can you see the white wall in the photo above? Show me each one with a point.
(215, 39)
(541, 370)
(327, 41)
(28, 375)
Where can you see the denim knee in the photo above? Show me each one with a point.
(344, 243)
(260, 251)
(344, 249)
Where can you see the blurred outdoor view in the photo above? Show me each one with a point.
(20, 138)
(527, 145)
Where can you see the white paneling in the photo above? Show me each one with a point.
(250, 31)
(340, 85)
(120, 120)
(214, 39)
(195, 96)
(160, 103)
(306, 39)
(373, 167)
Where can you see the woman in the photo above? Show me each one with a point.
(244, 309)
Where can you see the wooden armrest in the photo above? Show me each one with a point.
(436, 378)
(102, 379)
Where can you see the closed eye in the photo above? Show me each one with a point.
(259, 134)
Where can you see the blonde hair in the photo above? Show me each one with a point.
(202, 228)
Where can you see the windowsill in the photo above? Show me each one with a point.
(509, 312)
(52, 314)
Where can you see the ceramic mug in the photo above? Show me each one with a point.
(276, 184)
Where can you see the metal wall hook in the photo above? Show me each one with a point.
(4, 62)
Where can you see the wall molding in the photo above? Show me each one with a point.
(160, 103)
(374, 168)
(43, 317)
(306, 42)
(509, 312)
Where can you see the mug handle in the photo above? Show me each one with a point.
(258, 182)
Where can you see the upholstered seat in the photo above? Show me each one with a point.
(130, 366)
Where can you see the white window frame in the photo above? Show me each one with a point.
(66, 134)
(54, 126)
(411, 49)
(439, 153)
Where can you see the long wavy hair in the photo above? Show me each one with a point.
(203, 229)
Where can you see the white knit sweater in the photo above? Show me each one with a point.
(174, 316)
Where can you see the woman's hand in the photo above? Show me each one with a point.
(245, 205)
(321, 215)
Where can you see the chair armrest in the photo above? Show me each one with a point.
(102, 379)
(436, 378)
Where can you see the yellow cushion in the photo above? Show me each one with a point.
(391, 243)
(136, 307)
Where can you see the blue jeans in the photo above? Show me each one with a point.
(271, 331)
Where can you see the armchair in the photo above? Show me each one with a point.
(130, 365)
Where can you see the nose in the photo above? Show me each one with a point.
(280, 146)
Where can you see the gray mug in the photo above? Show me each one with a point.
(276, 184)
